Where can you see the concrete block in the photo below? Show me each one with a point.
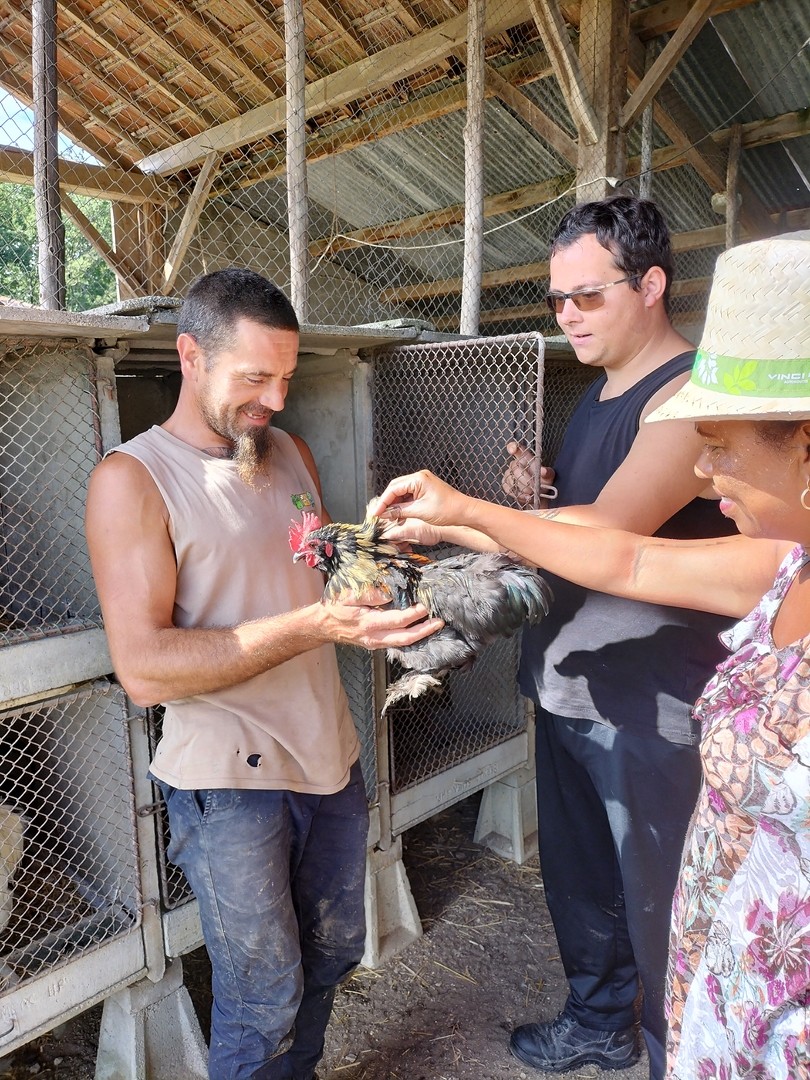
(392, 921)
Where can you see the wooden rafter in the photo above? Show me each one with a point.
(68, 96)
(420, 110)
(169, 42)
(77, 131)
(554, 33)
(97, 181)
(191, 216)
(693, 240)
(358, 80)
(119, 264)
(665, 63)
(667, 16)
(526, 109)
(243, 63)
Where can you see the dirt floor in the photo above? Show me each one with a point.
(442, 1009)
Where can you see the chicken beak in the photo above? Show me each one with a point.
(297, 556)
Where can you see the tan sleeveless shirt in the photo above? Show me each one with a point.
(290, 727)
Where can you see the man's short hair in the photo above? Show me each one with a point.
(632, 230)
(217, 301)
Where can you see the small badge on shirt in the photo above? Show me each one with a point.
(303, 500)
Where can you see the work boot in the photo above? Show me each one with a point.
(562, 1044)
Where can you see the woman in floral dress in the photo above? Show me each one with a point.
(739, 972)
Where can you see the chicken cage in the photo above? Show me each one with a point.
(90, 907)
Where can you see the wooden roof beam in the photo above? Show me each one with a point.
(667, 16)
(552, 29)
(504, 203)
(536, 119)
(169, 43)
(242, 62)
(667, 60)
(96, 181)
(714, 236)
(375, 72)
(196, 203)
(119, 264)
(426, 107)
(78, 132)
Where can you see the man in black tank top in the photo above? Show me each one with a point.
(614, 680)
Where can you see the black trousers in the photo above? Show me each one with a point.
(613, 811)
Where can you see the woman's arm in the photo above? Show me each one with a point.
(726, 575)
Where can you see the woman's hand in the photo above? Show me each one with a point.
(420, 496)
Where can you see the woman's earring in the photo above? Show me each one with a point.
(804, 498)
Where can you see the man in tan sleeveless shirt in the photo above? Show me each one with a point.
(206, 612)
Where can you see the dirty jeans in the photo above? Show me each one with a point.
(279, 877)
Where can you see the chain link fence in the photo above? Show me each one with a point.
(175, 156)
(68, 862)
(451, 408)
(49, 443)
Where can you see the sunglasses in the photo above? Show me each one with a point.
(584, 299)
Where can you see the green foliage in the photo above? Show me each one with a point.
(89, 281)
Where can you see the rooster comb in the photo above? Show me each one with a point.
(300, 530)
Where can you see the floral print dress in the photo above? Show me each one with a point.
(739, 970)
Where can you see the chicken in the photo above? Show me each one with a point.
(480, 597)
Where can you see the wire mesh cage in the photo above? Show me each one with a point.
(451, 407)
(49, 443)
(69, 879)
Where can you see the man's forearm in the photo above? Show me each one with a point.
(174, 662)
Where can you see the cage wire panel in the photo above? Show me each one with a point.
(49, 443)
(69, 878)
(451, 407)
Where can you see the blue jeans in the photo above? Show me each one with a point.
(279, 878)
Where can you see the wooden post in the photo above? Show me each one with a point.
(473, 171)
(50, 227)
(604, 27)
(297, 194)
(732, 188)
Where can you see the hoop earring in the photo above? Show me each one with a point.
(805, 495)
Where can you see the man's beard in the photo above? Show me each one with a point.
(252, 453)
(252, 447)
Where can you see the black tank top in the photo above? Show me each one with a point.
(637, 667)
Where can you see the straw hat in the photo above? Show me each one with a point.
(753, 361)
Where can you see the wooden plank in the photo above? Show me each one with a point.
(687, 241)
(50, 227)
(358, 80)
(732, 189)
(689, 134)
(667, 16)
(78, 131)
(420, 110)
(552, 29)
(667, 60)
(139, 63)
(545, 127)
(191, 216)
(151, 221)
(296, 142)
(603, 33)
(494, 205)
(97, 181)
(126, 234)
(473, 170)
(121, 266)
